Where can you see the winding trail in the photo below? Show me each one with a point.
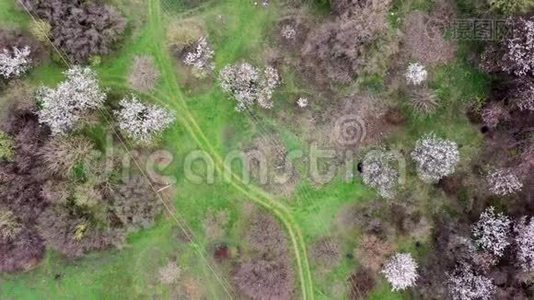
(170, 90)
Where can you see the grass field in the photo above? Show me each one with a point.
(204, 119)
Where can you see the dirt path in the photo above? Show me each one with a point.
(171, 91)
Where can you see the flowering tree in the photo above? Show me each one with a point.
(140, 121)
(288, 32)
(515, 54)
(465, 284)
(401, 271)
(245, 83)
(524, 242)
(14, 63)
(503, 182)
(379, 172)
(64, 106)
(201, 59)
(492, 231)
(416, 74)
(302, 102)
(435, 158)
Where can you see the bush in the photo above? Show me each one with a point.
(135, 203)
(81, 29)
(22, 252)
(73, 235)
(41, 30)
(6, 147)
(181, 34)
(62, 154)
(144, 74)
(9, 225)
(337, 49)
(511, 7)
(263, 279)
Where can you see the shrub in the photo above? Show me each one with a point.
(81, 29)
(22, 252)
(15, 62)
(435, 158)
(73, 235)
(416, 74)
(181, 34)
(492, 232)
(327, 252)
(379, 172)
(337, 50)
(424, 101)
(511, 7)
(9, 225)
(170, 273)
(144, 74)
(142, 122)
(63, 107)
(262, 279)
(201, 58)
(135, 203)
(493, 114)
(62, 154)
(264, 234)
(41, 30)
(247, 86)
(6, 147)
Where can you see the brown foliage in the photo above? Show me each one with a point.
(81, 29)
(424, 39)
(135, 203)
(143, 74)
(373, 252)
(73, 235)
(22, 252)
(265, 279)
(326, 252)
(361, 283)
(267, 274)
(337, 49)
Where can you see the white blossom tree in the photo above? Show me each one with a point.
(401, 271)
(380, 173)
(416, 74)
(64, 106)
(14, 63)
(248, 86)
(465, 284)
(503, 182)
(201, 59)
(142, 122)
(288, 32)
(524, 243)
(302, 102)
(492, 232)
(435, 158)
